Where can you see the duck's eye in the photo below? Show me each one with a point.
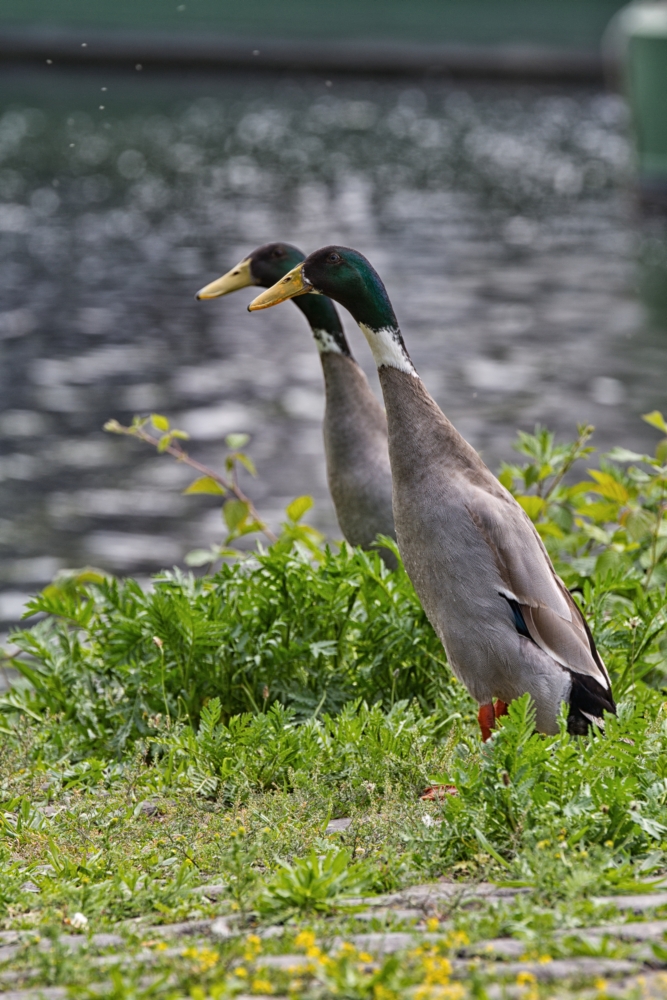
(278, 253)
(334, 258)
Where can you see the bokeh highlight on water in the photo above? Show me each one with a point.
(500, 216)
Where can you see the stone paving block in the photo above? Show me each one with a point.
(648, 986)
(285, 962)
(637, 930)
(213, 892)
(37, 993)
(560, 968)
(338, 825)
(390, 912)
(638, 903)
(220, 929)
(184, 929)
(497, 947)
(9, 937)
(386, 942)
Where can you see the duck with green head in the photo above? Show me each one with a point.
(507, 622)
(355, 427)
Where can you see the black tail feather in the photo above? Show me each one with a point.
(588, 701)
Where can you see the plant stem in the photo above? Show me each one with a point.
(229, 485)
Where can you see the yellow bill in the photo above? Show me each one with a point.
(239, 277)
(292, 284)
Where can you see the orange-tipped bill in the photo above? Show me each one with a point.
(292, 284)
(239, 277)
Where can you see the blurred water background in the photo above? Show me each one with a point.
(500, 216)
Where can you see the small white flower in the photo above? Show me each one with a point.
(428, 820)
(79, 921)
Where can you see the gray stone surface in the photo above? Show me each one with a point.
(184, 929)
(639, 930)
(497, 947)
(386, 943)
(338, 825)
(36, 993)
(220, 929)
(7, 952)
(390, 913)
(215, 891)
(285, 962)
(561, 968)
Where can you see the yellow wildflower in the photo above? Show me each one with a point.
(543, 959)
(253, 947)
(432, 924)
(313, 952)
(526, 977)
(457, 939)
(600, 984)
(347, 950)
(261, 986)
(365, 957)
(241, 972)
(305, 939)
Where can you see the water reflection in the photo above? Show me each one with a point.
(498, 216)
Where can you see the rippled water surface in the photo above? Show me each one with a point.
(499, 217)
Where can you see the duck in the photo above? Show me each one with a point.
(354, 427)
(507, 622)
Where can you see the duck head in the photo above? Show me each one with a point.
(346, 276)
(267, 265)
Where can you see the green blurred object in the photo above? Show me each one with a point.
(506, 37)
(639, 37)
(541, 22)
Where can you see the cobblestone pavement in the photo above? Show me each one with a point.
(505, 965)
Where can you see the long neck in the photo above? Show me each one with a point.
(325, 324)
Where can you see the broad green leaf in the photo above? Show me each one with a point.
(200, 557)
(639, 523)
(600, 512)
(533, 506)
(235, 512)
(246, 462)
(625, 455)
(180, 434)
(656, 419)
(205, 484)
(164, 443)
(236, 441)
(298, 507)
(159, 423)
(608, 487)
(506, 478)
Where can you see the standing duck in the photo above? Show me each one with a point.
(355, 427)
(507, 622)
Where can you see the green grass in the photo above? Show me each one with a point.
(207, 731)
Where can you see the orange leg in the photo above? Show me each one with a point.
(487, 720)
(487, 716)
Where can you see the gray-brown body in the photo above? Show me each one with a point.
(357, 454)
(465, 542)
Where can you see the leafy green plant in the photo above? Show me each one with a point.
(112, 661)
(313, 884)
(238, 511)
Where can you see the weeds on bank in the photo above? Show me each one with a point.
(209, 730)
